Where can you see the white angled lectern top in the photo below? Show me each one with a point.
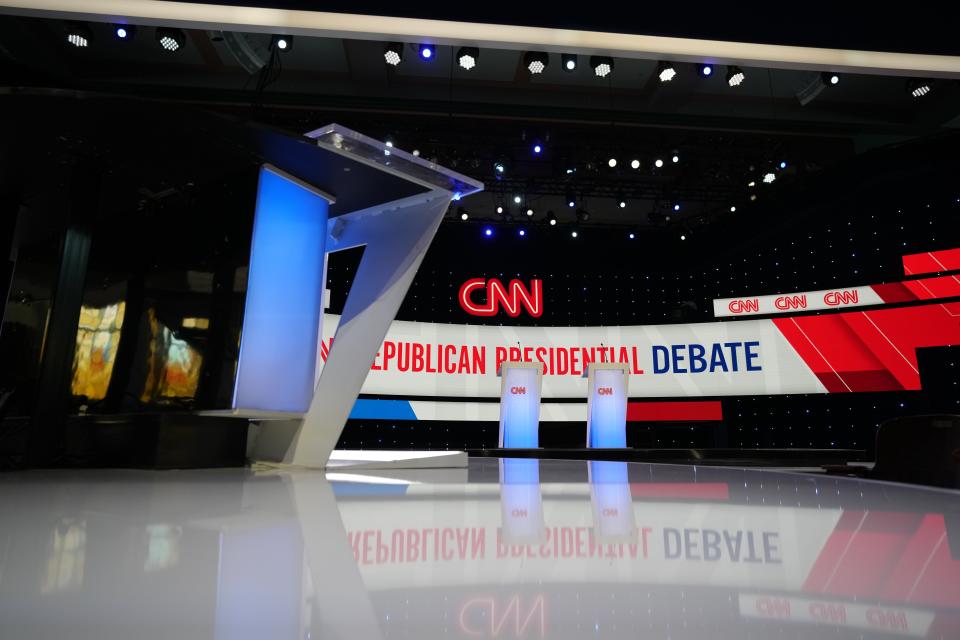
(607, 404)
(520, 384)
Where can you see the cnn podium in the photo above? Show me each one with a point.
(607, 405)
(520, 385)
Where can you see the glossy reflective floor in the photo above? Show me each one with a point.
(503, 549)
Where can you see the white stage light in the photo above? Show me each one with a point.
(667, 71)
(393, 53)
(467, 57)
(735, 76)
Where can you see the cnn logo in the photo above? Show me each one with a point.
(511, 298)
(518, 391)
(605, 391)
(744, 306)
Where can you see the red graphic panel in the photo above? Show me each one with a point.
(696, 411)
(921, 289)
(871, 350)
(931, 262)
(897, 557)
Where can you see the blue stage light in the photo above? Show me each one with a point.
(783, 165)
(706, 70)
(123, 31)
(522, 232)
(487, 231)
(537, 148)
(426, 51)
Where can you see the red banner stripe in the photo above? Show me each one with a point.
(931, 261)
(698, 411)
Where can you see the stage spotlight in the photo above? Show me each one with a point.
(583, 215)
(467, 57)
(499, 209)
(529, 212)
(517, 199)
(753, 197)
(499, 168)
(918, 88)
(612, 162)
(393, 53)
(705, 70)
(536, 61)
(735, 76)
(124, 31)
(752, 183)
(658, 163)
(634, 164)
(416, 153)
(170, 39)
(571, 200)
(830, 78)
(733, 209)
(667, 71)
(783, 165)
(631, 236)
(683, 237)
(282, 43)
(574, 234)
(769, 177)
(623, 203)
(676, 207)
(522, 232)
(79, 35)
(602, 65)
(488, 231)
(551, 219)
(427, 51)
(569, 61)
(463, 214)
(675, 159)
(537, 148)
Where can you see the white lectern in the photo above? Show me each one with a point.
(607, 404)
(520, 384)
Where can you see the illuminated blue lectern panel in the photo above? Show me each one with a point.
(284, 306)
(606, 405)
(520, 404)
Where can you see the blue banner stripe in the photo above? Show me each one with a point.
(365, 409)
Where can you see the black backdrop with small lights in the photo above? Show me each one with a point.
(846, 226)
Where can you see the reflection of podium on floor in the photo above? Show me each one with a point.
(520, 404)
(606, 404)
(521, 504)
(612, 502)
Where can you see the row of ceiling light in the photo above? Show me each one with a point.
(536, 62)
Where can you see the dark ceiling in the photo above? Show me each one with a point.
(725, 137)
